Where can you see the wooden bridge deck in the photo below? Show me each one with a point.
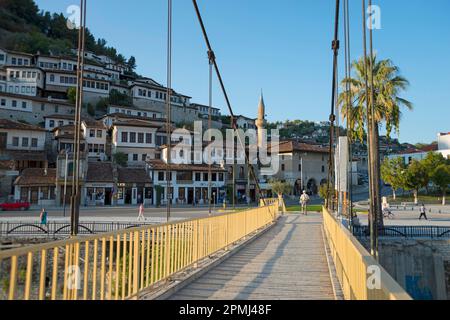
(287, 262)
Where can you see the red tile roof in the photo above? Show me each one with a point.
(133, 175)
(291, 146)
(99, 172)
(36, 177)
(15, 125)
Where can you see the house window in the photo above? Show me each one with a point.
(60, 123)
(14, 103)
(92, 133)
(13, 61)
(24, 142)
(135, 157)
(299, 167)
(124, 136)
(198, 176)
(282, 167)
(34, 142)
(52, 123)
(56, 109)
(42, 107)
(221, 176)
(214, 177)
(161, 176)
(205, 177)
(144, 157)
(323, 168)
(15, 141)
(3, 102)
(140, 137)
(99, 133)
(148, 138)
(133, 137)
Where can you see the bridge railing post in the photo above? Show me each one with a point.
(135, 257)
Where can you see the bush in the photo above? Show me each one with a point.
(120, 158)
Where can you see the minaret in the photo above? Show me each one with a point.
(260, 121)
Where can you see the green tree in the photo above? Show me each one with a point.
(440, 176)
(392, 173)
(416, 178)
(324, 192)
(90, 109)
(120, 158)
(118, 98)
(388, 84)
(132, 63)
(431, 162)
(72, 95)
(280, 187)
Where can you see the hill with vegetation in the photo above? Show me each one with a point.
(26, 28)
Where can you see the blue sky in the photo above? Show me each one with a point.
(282, 47)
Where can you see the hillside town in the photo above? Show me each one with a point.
(124, 156)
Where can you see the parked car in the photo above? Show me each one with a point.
(13, 206)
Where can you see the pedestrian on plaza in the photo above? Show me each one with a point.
(423, 212)
(141, 212)
(43, 216)
(304, 199)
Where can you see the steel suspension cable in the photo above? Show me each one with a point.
(209, 130)
(372, 210)
(75, 199)
(335, 47)
(212, 57)
(169, 108)
(375, 142)
(348, 68)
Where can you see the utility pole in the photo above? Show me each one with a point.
(75, 198)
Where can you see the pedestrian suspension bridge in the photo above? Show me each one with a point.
(260, 253)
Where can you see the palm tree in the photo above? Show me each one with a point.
(388, 84)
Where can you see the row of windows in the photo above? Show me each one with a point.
(60, 123)
(96, 148)
(20, 61)
(283, 167)
(139, 114)
(92, 133)
(25, 75)
(22, 89)
(63, 79)
(95, 85)
(131, 137)
(187, 176)
(14, 103)
(25, 142)
(135, 157)
(64, 65)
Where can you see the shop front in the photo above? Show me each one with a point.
(99, 194)
(134, 194)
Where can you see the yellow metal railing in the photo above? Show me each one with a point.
(360, 275)
(121, 264)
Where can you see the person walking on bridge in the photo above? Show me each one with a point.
(43, 217)
(141, 212)
(304, 199)
(423, 212)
